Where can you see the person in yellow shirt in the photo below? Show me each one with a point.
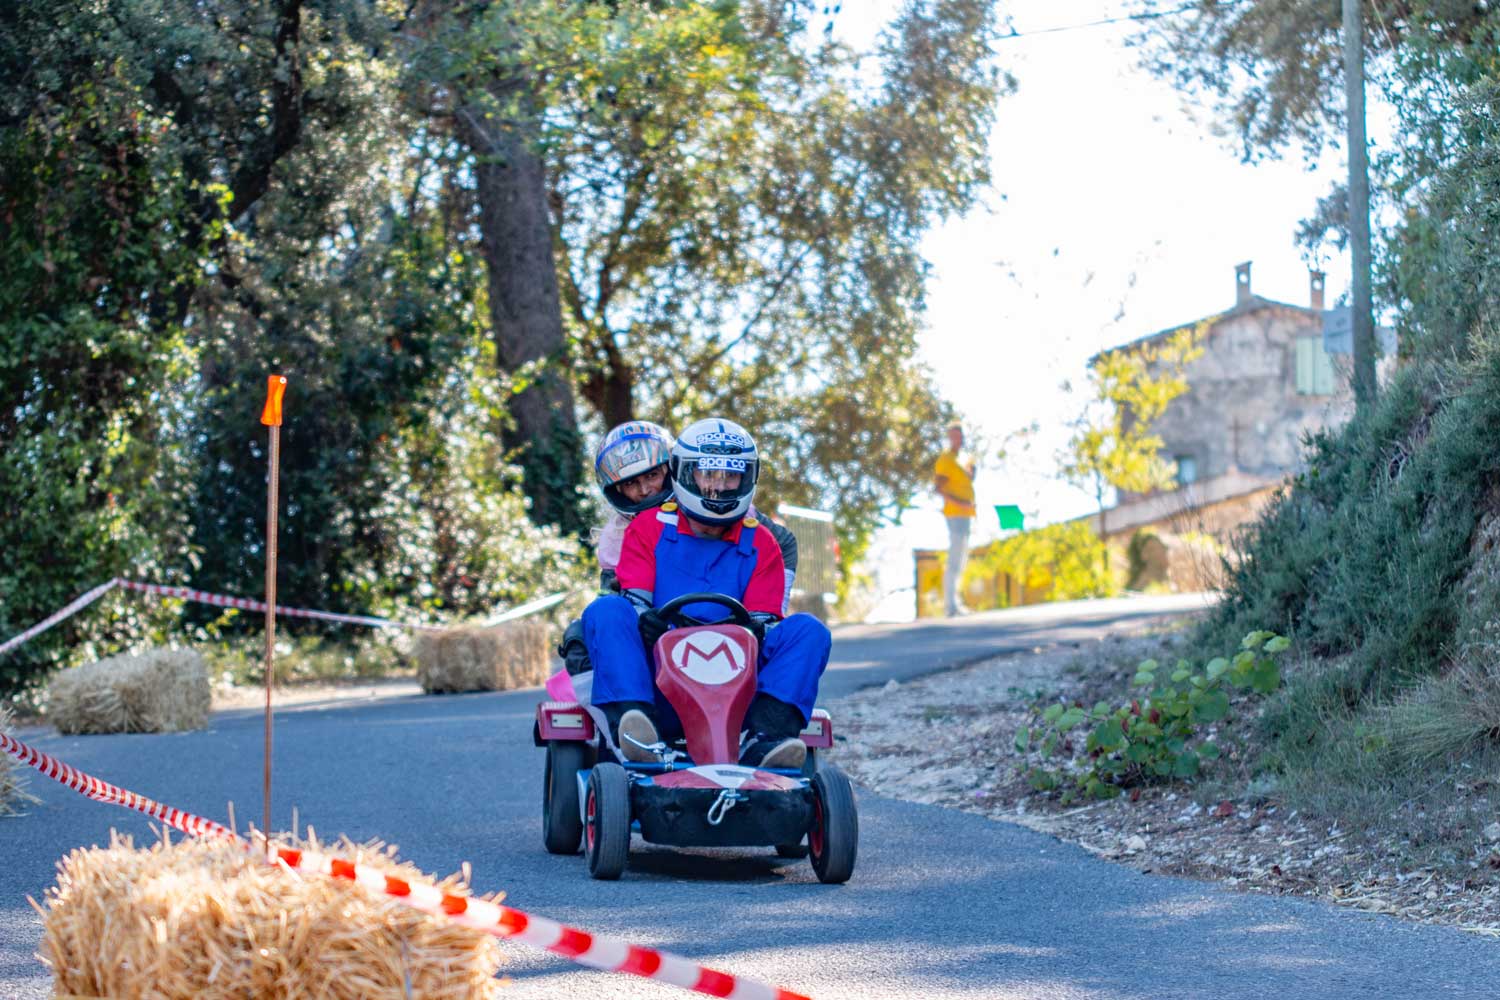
(953, 478)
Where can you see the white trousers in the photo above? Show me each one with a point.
(958, 553)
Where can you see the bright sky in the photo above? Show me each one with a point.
(1114, 213)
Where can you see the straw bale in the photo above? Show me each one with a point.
(159, 691)
(12, 778)
(511, 655)
(205, 920)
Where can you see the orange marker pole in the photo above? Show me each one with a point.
(270, 415)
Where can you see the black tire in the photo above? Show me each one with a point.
(833, 840)
(562, 826)
(606, 827)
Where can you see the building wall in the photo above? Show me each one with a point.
(1242, 410)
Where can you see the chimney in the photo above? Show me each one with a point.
(1315, 280)
(1242, 283)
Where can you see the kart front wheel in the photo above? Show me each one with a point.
(562, 827)
(606, 825)
(833, 840)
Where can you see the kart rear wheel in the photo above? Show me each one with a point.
(606, 826)
(562, 827)
(833, 840)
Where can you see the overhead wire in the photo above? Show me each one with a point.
(1122, 19)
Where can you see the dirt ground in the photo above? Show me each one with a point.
(948, 740)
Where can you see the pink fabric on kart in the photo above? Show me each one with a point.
(560, 687)
(612, 539)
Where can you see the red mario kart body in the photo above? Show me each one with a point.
(696, 794)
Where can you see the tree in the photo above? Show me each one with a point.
(738, 210)
(90, 265)
(488, 69)
(1112, 446)
(735, 209)
(196, 193)
(1273, 71)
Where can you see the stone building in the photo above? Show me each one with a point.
(1262, 383)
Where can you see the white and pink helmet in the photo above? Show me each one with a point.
(715, 445)
(627, 451)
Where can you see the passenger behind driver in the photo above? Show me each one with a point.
(706, 540)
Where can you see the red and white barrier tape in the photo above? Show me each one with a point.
(594, 951)
(67, 612)
(245, 603)
(200, 597)
(103, 791)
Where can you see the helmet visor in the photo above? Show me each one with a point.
(719, 481)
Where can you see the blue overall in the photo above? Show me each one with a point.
(792, 658)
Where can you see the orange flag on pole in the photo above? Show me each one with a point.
(271, 414)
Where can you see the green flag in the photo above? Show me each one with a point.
(1010, 517)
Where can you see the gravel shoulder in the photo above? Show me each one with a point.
(947, 740)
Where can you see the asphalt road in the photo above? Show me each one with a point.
(942, 904)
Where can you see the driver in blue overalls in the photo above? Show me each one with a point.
(705, 540)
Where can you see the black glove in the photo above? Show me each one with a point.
(759, 622)
(574, 652)
(653, 626)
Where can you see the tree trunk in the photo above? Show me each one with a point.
(619, 402)
(611, 392)
(526, 314)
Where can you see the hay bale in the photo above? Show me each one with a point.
(12, 779)
(160, 691)
(210, 920)
(511, 655)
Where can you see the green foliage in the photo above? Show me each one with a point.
(1065, 561)
(1368, 560)
(240, 662)
(196, 193)
(92, 356)
(1112, 444)
(1442, 263)
(1360, 556)
(1155, 739)
(1274, 70)
(736, 236)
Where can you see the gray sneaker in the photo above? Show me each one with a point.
(790, 753)
(637, 732)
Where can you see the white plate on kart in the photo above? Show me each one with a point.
(733, 776)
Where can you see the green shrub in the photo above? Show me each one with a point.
(1158, 739)
(1064, 560)
(1360, 556)
(239, 660)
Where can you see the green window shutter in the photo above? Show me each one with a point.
(1305, 365)
(1322, 370)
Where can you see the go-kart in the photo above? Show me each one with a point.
(696, 793)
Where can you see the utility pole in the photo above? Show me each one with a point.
(1359, 207)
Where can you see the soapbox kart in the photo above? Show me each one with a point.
(696, 793)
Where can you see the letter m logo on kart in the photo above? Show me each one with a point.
(708, 657)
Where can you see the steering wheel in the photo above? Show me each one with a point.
(673, 614)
